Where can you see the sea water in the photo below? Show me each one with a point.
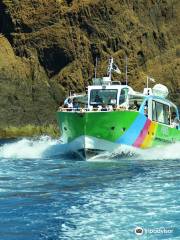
(128, 194)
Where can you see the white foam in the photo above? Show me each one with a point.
(170, 151)
(47, 147)
(165, 152)
(28, 148)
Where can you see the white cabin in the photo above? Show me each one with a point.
(109, 95)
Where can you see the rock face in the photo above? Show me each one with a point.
(48, 47)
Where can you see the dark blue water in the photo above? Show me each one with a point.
(45, 195)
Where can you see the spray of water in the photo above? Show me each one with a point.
(30, 148)
(165, 152)
(45, 147)
(171, 151)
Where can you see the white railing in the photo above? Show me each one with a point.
(81, 110)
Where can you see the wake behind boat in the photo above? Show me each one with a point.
(112, 114)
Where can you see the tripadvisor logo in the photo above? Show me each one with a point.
(139, 231)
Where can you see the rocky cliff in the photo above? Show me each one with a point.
(48, 47)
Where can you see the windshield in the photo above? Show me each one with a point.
(103, 96)
(82, 99)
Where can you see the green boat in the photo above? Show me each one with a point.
(112, 114)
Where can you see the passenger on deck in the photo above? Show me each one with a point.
(90, 108)
(110, 108)
(75, 103)
(146, 109)
(104, 107)
(174, 120)
(135, 106)
(68, 103)
(114, 106)
(98, 99)
(111, 100)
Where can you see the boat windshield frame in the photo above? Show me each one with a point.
(103, 96)
(117, 88)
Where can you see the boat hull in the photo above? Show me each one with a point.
(87, 147)
(89, 133)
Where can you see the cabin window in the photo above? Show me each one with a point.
(172, 109)
(160, 112)
(154, 117)
(173, 113)
(166, 114)
(82, 100)
(123, 95)
(105, 96)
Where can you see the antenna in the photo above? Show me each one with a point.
(147, 82)
(126, 69)
(110, 68)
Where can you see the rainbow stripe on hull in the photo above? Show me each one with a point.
(118, 127)
(141, 133)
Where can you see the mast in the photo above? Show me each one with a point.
(147, 84)
(151, 79)
(95, 70)
(126, 69)
(110, 68)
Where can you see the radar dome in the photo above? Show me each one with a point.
(160, 90)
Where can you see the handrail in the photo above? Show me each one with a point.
(81, 110)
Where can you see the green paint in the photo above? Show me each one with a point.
(166, 134)
(108, 126)
(101, 125)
